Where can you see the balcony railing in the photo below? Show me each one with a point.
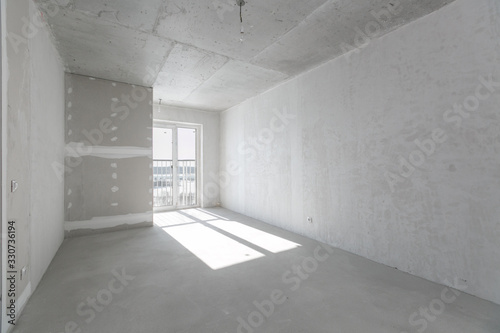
(164, 182)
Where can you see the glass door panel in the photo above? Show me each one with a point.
(163, 179)
(175, 166)
(186, 166)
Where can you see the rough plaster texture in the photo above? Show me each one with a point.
(35, 135)
(191, 51)
(209, 141)
(47, 148)
(356, 118)
(18, 135)
(108, 175)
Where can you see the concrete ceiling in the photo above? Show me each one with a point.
(190, 50)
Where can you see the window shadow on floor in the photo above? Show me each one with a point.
(218, 241)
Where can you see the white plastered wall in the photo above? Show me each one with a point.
(339, 157)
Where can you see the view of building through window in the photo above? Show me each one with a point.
(174, 186)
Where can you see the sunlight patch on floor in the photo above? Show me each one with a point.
(255, 236)
(211, 247)
(200, 215)
(171, 219)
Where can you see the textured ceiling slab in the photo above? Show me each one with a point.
(94, 47)
(191, 51)
(215, 25)
(337, 27)
(185, 70)
(233, 83)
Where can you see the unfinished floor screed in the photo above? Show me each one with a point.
(163, 286)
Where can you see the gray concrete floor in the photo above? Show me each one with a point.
(164, 287)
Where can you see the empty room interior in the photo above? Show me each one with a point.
(246, 166)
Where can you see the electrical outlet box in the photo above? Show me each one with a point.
(13, 186)
(309, 219)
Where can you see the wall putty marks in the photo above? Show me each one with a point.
(108, 155)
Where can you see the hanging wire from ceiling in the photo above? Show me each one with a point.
(241, 13)
(241, 3)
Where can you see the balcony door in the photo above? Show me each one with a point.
(175, 166)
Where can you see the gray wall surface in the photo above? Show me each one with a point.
(210, 142)
(18, 138)
(34, 83)
(422, 95)
(47, 150)
(108, 178)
